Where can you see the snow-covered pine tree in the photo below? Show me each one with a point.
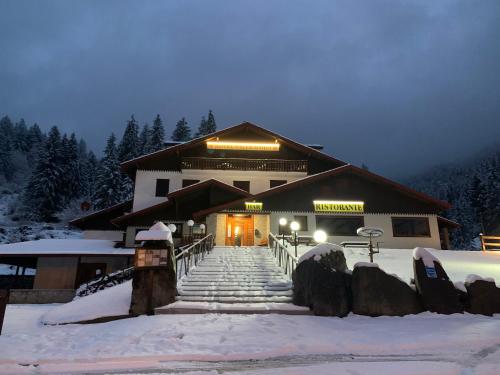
(43, 197)
(108, 190)
(477, 198)
(129, 145)
(21, 139)
(182, 132)
(157, 135)
(6, 147)
(207, 126)
(145, 140)
(36, 139)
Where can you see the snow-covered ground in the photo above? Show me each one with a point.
(457, 264)
(420, 344)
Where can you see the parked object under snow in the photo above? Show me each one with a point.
(375, 293)
(435, 288)
(321, 281)
(111, 302)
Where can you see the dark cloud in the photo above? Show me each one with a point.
(397, 85)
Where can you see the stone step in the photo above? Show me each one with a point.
(183, 307)
(233, 288)
(234, 284)
(238, 299)
(235, 293)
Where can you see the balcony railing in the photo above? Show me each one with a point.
(279, 165)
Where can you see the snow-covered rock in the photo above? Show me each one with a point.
(366, 264)
(320, 250)
(426, 256)
(158, 232)
(472, 278)
(114, 301)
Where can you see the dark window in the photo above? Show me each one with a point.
(285, 230)
(274, 183)
(302, 220)
(410, 227)
(186, 183)
(340, 225)
(162, 187)
(243, 185)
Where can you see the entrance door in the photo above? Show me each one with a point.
(239, 230)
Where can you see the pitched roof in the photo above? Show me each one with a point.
(130, 165)
(336, 171)
(119, 208)
(198, 186)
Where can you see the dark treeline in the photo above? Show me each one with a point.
(473, 189)
(56, 171)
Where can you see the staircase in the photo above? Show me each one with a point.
(235, 280)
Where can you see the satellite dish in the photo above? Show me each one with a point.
(371, 232)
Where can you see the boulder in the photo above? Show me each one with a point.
(484, 296)
(321, 282)
(437, 292)
(376, 293)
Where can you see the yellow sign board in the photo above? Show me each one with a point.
(253, 206)
(246, 146)
(339, 206)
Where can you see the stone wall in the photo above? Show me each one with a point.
(24, 296)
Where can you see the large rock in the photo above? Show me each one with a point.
(321, 282)
(484, 296)
(376, 293)
(437, 292)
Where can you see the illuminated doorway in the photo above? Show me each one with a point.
(239, 230)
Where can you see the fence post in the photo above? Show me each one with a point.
(4, 298)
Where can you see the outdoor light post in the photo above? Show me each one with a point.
(202, 228)
(190, 224)
(283, 223)
(295, 226)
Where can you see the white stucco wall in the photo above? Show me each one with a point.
(371, 220)
(113, 235)
(145, 181)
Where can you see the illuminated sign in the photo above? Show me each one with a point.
(338, 206)
(247, 146)
(253, 206)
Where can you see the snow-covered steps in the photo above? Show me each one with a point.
(235, 280)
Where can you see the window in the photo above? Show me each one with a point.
(274, 183)
(243, 185)
(186, 183)
(162, 187)
(410, 227)
(340, 225)
(302, 220)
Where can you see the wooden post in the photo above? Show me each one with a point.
(4, 298)
(483, 247)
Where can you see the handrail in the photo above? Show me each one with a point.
(489, 242)
(286, 260)
(191, 255)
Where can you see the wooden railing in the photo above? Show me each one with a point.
(490, 242)
(279, 165)
(189, 256)
(286, 260)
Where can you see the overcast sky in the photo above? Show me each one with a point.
(398, 85)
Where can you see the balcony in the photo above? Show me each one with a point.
(265, 165)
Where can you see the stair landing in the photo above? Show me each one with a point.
(229, 280)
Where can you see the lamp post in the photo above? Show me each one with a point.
(283, 223)
(295, 226)
(190, 224)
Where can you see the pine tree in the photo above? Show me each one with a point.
(6, 147)
(109, 180)
(182, 132)
(157, 135)
(36, 140)
(145, 140)
(477, 198)
(43, 196)
(207, 126)
(129, 145)
(21, 139)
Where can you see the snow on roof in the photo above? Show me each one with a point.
(158, 232)
(64, 247)
(426, 256)
(318, 251)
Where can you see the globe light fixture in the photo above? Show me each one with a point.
(190, 223)
(172, 227)
(283, 221)
(202, 228)
(320, 236)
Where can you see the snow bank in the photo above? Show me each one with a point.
(318, 251)
(472, 278)
(426, 256)
(113, 301)
(366, 264)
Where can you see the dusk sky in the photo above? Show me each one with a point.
(398, 85)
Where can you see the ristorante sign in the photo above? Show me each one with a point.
(339, 206)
